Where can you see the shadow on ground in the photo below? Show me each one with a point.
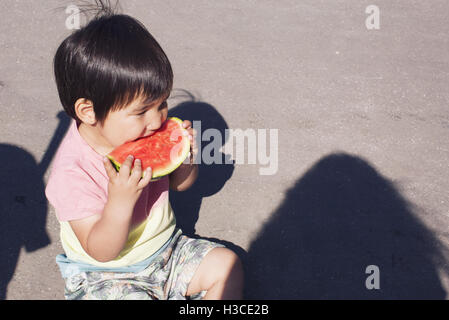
(23, 205)
(212, 177)
(339, 218)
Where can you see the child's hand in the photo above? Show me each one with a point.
(183, 178)
(192, 137)
(125, 187)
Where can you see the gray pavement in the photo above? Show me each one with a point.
(363, 127)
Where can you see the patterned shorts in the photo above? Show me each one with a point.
(167, 276)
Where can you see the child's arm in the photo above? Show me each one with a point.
(183, 178)
(104, 236)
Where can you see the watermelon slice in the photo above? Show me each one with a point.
(163, 151)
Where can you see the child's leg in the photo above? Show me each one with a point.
(221, 274)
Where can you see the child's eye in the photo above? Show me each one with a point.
(142, 112)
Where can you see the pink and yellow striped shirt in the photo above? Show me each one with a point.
(78, 188)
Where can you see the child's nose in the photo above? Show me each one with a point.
(155, 123)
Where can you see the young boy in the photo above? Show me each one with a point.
(118, 230)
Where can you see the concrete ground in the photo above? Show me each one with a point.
(362, 148)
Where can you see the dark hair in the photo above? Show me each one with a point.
(111, 61)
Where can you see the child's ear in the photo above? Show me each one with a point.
(85, 111)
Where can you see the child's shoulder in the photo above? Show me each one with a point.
(71, 173)
(76, 188)
(74, 158)
(76, 176)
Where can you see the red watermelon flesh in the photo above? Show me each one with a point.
(163, 151)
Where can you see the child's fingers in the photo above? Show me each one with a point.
(125, 168)
(193, 144)
(110, 170)
(191, 134)
(193, 138)
(194, 151)
(147, 174)
(136, 172)
(186, 124)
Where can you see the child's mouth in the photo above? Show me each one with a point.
(145, 136)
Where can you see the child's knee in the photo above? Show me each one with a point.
(228, 264)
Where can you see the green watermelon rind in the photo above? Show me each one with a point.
(161, 173)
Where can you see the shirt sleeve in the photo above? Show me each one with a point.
(74, 195)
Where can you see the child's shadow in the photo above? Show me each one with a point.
(339, 218)
(211, 178)
(23, 206)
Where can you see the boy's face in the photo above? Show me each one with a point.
(139, 119)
